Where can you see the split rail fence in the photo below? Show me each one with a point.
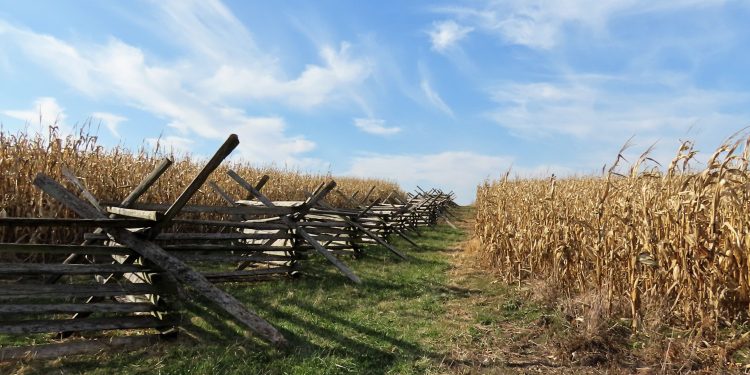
(131, 272)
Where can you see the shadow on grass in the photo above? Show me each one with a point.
(326, 319)
(319, 331)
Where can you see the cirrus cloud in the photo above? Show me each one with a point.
(375, 126)
(540, 24)
(193, 92)
(446, 34)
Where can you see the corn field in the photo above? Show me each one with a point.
(110, 173)
(649, 237)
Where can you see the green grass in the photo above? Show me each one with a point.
(392, 323)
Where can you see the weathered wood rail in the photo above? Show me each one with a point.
(129, 274)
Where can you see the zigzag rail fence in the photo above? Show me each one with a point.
(130, 273)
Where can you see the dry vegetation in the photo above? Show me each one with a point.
(110, 173)
(658, 251)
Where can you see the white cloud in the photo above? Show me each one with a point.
(239, 70)
(315, 86)
(196, 92)
(446, 34)
(270, 132)
(59, 57)
(612, 108)
(44, 112)
(118, 71)
(375, 126)
(208, 30)
(541, 24)
(457, 171)
(110, 121)
(434, 98)
(169, 144)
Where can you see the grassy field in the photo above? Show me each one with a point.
(395, 322)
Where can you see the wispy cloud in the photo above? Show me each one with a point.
(375, 126)
(218, 63)
(540, 24)
(110, 121)
(207, 29)
(434, 98)
(44, 112)
(431, 95)
(172, 144)
(316, 85)
(446, 34)
(238, 69)
(613, 107)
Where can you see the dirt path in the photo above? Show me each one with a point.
(495, 330)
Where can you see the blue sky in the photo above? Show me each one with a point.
(431, 93)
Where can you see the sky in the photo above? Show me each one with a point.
(429, 93)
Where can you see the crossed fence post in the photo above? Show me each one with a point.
(291, 221)
(143, 245)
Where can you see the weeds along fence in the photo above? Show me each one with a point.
(125, 284)
(665, 246)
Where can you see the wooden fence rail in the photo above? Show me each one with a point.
(130, 272)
